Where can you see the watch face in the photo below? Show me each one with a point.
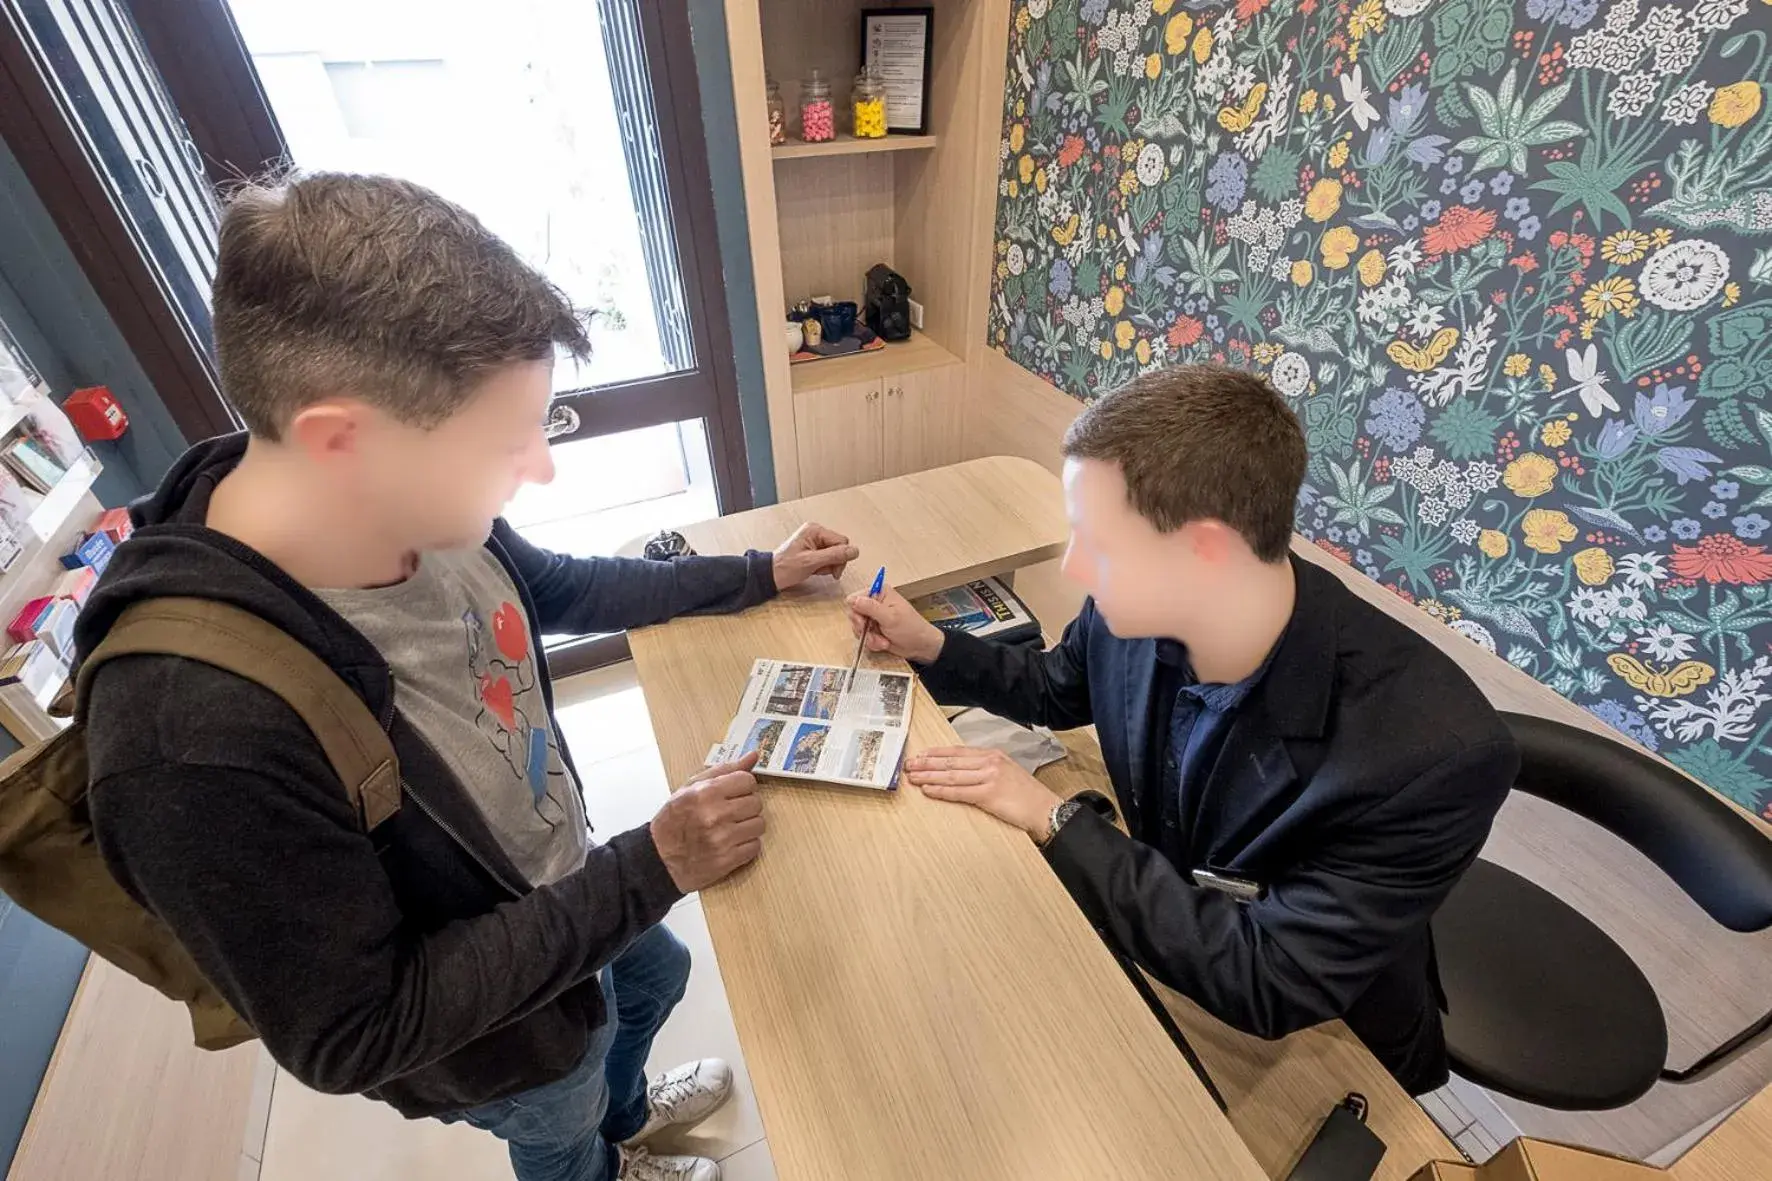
(667, 544)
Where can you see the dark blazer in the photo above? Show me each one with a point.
(1357, 782)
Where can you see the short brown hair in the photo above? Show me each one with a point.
(1201, 442)
(330, 282)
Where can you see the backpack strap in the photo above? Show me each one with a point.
(237, 641)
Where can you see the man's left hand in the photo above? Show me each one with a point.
(987, 779)
(812, 549)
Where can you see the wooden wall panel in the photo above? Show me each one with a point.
(835, 220)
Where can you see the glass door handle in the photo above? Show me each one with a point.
(562, 420)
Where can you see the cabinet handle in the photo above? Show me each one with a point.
(893, 392)
(874, 395)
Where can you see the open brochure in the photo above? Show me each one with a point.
(806, 721)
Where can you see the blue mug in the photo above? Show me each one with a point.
(837, 319)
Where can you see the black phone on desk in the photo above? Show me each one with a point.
(1344, 1149)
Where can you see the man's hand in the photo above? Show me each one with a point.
(712, 827)
(987, 779)
(812, 549)
(898, 628)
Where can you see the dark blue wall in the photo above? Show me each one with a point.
(39, 967)
(47, 302)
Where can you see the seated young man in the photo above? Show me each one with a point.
(476, 957)
(1303, 779)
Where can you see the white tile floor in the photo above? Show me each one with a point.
(349, 1138)
(1470, 1118)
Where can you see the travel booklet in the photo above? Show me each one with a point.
(987, 608)
(807, 721)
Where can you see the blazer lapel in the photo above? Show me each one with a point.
(1143, 713)
(1252, 782)
(1253, 779)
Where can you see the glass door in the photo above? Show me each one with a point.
(572, 130)
(571, 127)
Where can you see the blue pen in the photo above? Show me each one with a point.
(873, 593)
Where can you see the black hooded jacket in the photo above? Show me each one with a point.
(413, 964)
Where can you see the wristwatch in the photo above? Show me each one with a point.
(1061, 814)
(667, 544)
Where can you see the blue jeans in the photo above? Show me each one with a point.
(567, 1130)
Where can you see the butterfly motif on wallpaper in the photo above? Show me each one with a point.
(1683, 678)
(1421, 358)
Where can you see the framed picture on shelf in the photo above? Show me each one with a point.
(895, 46)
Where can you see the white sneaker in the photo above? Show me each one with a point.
(639, 1165)
(685, 1095)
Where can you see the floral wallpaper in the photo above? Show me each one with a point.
(1511, 263)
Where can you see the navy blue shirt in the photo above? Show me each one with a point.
(1185, 746)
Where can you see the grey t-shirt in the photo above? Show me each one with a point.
(466, 680)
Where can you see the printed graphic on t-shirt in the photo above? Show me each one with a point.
(513, 714)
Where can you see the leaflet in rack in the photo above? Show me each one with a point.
(806, 721)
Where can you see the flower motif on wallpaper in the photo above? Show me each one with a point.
(1509, 260)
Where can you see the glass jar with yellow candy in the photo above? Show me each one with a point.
(868, 101)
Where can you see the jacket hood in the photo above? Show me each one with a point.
(174, 553)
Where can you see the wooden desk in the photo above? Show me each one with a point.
(1279, 1092)
(931, 530)
(905, 975)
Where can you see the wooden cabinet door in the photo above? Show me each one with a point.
(925, 416)
(837, 433)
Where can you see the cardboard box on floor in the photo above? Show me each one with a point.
(1540, 1160)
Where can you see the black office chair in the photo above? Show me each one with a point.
(1541, 1004)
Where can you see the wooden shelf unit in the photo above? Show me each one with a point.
(820, 215)
(919, 352)
(848, 145)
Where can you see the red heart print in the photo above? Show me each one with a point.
(497, 696)
(509, 633)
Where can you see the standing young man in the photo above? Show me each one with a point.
(476, 958)
(1303, 778)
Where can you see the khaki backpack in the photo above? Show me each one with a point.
(49, 862)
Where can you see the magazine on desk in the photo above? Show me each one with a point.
(807, 721)
(986, 608)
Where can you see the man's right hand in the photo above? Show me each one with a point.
(898, 628)
(712, 826)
